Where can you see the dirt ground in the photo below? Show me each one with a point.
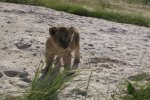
(114, 51)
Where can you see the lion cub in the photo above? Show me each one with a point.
(61, 43)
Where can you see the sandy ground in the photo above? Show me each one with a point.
(113, 51)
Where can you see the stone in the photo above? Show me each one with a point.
(23, 45)
(11, 73)
(1, 75)
(22, 84)
(23, 74)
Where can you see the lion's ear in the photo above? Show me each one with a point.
(52, 31)
(75, 34)
(72, 29)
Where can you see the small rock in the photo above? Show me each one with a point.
(1, 75)
(81, 92)
(23, 74)
(42, 43)
(31, 41)
(82, 21)
(40, 21)
(145, 40)
(34, 54)
(93, 34)
(26, 79)
(24, 68)
(106, 65)
(22, 84)
(37, 46)
(90, 21)
(71, 18)
(20, 56)
(11, 73)
(11, 82)
(147, 79)
(148, 36)
(41, 61)
(21, 12)
(82, 38)
(23, 45)
(90, 45)
(29, 31)
(97, 80)
(85, 48)
(9, 22)
(30, 34)
(4, 48)
(113, 29)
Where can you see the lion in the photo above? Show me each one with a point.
(63, 41)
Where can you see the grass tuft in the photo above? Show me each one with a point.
(137, 92)
(43, 87)
(48, 86)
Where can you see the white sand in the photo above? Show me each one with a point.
(113, 50)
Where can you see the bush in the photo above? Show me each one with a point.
(140, 93)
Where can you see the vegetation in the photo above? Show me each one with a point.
(138, 88)
(49, 86)
(140, 93)
(123, 11)
(46, 87)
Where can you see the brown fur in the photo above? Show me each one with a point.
(62, 42)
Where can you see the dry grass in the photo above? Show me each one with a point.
(123, 11)
(121, 6)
